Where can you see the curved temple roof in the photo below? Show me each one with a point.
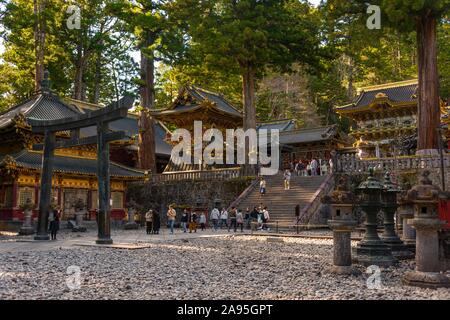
(66, 164)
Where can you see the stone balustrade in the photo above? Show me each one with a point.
(350, 163)
(217, 174)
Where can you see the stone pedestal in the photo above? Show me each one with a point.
(342, 253)
(27, 227)
(79, 221)
(131, 225)
(427, 273)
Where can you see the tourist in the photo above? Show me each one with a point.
(202, 221)
(324, 169)
(215, 216)
(156, 222)
(171, 216)
(233, 216)
(137, 218)
(193, 222)
(266, 218)
(287, 179)
(247, 218)
(149, 221)
(240, 220)
(331, 165)
(184, 220)
(262, 186)
(308, 169)
(260, 217)
(223, 218)
(54, 223)
(254, 215)
(297, 168)
(314, 166)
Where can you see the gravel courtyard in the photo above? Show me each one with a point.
(224, 267)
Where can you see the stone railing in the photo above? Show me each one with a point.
(313, 206)
(216, 174)
(350, 163)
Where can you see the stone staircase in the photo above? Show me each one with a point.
(281, 203)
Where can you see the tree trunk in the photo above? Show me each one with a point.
(98, 76)
(428, 94)
(79, 71)
(248, 93)
(39, 42)
(147, 152)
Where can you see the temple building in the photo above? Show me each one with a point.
(75, 169)
(385, 117)
(215, 111)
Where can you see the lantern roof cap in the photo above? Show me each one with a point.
(371, 183)
(388, 185)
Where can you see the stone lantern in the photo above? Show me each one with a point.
(371, 250)
(80, 212)
(389, 203)
(131, 224)
(406, 212)
(425, 197)
(342, 224)
(27, 227)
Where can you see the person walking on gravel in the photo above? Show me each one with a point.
(233, 216)
(223, 218)
(240, 220)
(215, 216)
(171, 216)
(149, 221)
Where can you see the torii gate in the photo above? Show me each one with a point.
(100, 118)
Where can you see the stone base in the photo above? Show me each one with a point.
(26, 231)
(403, 255)
(41, 237)
(131, 226)
(343, 270)
(104, 241)
(431, 280)
(378, 255)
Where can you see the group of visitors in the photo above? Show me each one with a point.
(153, 222)
(236, 219)
(313, 167)
(189, 220)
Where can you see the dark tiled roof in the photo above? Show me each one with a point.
(402, 93)
(65, 164)
(201, 95)
(42, 106)
(131, 128)
(309, 135)
(282, 125)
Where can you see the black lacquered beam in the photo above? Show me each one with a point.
(115, 111)
(113, 136)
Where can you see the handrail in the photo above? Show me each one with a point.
(244, 194)
(307, 212)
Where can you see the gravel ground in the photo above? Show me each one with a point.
(229, 267)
